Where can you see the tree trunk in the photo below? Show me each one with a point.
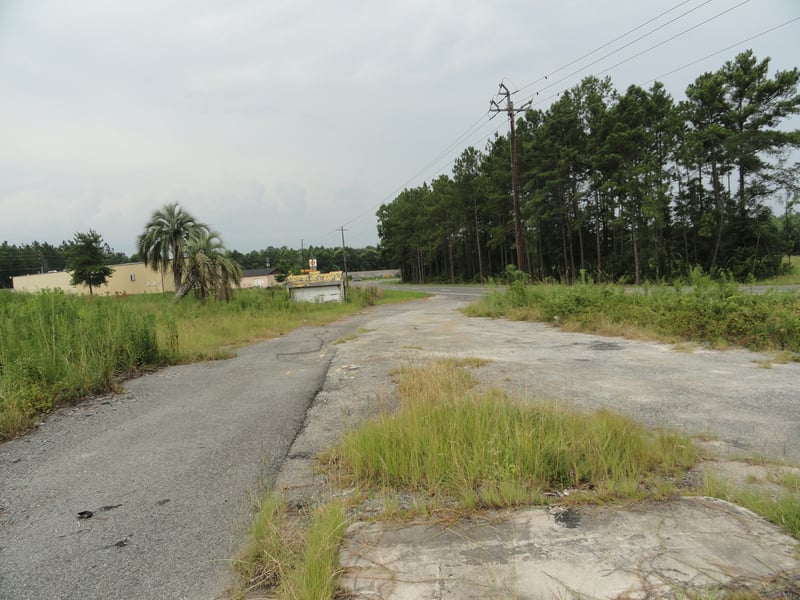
(597, 232)
(720, 211)
(635, 241)
(450, 257)
(478, 240)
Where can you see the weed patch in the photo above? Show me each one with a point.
(712, 312)
(449, 439)
(292, 556)
(56, 348)
(782, 508)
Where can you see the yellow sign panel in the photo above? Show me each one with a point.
(314, 278)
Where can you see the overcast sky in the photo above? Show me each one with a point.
(275, 121)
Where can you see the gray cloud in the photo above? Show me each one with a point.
(276, 121)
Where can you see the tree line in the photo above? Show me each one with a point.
(172, 231)
(291, 260)
(37, 257)
(629, 186)
(42, 257)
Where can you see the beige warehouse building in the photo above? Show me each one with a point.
(129, 278)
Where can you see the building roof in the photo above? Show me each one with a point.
(259, 272)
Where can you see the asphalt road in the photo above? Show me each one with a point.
(148, 494)
(168, 470)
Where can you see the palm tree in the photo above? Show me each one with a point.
(165, 239)
(210, 270)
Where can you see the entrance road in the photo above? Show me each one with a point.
(168, 471)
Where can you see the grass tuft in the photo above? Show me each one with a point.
(486, 450)
(272, 546)
(781, 508)
(292, 557)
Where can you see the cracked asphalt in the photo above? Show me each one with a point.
(147, 494)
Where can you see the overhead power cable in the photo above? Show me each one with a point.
(707, 56)
(638, 54)
(616, 39)
(444, 153)
(484, 119)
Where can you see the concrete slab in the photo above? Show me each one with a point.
(637, 551)
(610, 552)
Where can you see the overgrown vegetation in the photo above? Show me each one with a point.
(781, 508)
(296, 557)
(423, 458)
(428, 449)
(709, 311)
(56, 348)
(428, 446)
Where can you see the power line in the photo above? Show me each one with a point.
(436, 158)
(707, 56)
(669, 39)
(638, 54)
(616, 39)
(472, 127)
(483, 120)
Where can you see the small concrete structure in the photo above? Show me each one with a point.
(316, 287)
(258, 278)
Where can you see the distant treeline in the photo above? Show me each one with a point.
(290, 260)
(630, 186)
(41, 257)
(37, 257)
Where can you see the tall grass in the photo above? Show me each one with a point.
(56, 348)
(485, 450)
(714, 312)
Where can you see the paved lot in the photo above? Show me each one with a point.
(167, 470)
(147, 494)
(534, 554)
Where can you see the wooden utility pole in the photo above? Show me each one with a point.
(344, 257)
(519, 233)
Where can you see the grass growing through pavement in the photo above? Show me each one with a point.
(782, 508)
(713, 312)
(295, 562)
(451, 439)
(455, 444)
(272, 545)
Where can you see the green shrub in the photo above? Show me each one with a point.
(711, 311)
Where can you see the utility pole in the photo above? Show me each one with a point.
(519, 234)
(344, 257)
